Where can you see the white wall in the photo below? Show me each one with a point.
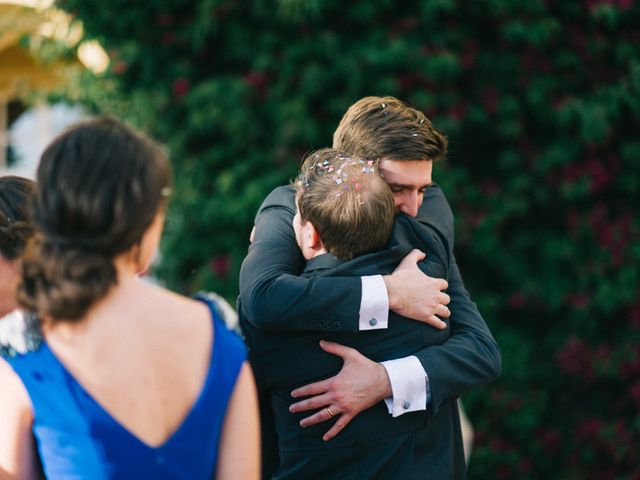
(33, 130)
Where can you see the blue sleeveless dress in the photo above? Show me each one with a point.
(78, 439)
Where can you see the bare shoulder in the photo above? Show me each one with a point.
(14, 392)
(16, 440)
(7, 375)
(172, 312)
(171, 303)
(175, 304)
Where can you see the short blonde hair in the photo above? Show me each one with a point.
(347, 201)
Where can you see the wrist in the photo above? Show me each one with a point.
(384, 382)
(391, 292)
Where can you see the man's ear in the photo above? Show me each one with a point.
(310, 237)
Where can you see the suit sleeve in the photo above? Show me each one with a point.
(274, 296)
(470, 357)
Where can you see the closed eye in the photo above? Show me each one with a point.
(402, 188)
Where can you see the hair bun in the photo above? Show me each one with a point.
(99, 245)
(61, 281)
(13, 238)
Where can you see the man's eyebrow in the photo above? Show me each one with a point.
(406, 185)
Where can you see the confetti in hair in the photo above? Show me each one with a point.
(338, 167)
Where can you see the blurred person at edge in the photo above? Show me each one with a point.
(275, 297)
(15, 230)
(128, 379)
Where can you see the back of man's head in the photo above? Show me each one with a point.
(386, 128)
(347, 202)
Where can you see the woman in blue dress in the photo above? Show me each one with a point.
(128, 380)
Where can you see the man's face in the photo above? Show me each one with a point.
(408, 180)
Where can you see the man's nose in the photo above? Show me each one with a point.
(410, 204)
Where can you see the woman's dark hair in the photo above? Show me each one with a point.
(100, 185)
(15, 228)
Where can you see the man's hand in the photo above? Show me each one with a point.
(413, 294)
(360, 384)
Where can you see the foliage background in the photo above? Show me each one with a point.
(541, 102)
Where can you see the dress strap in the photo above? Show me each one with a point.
(228, 348)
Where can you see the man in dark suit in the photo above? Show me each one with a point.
(374, 445)
(274, 298)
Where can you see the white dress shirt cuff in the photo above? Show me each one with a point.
(409, 385)
(374, 304)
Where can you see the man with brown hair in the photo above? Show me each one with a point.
(420, 382)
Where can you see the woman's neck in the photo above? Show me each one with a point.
(106, 312)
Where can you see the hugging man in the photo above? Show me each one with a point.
(422, 373)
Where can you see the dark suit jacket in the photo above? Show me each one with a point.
(285, 353)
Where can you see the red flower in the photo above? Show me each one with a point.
(630, 367)
(559, 101)
(550, 438)
(517, 300)
(164, 20)
(168, 38)
(634, 316)
(514, 404)
(573, 223)
(408, 81)
(257, 80)
(578, 300)
(489, 98)
(526, 465)
(572, 173)
(490, 188)
(623, 434)
(599, 175)
(220, 266)
(575, 358)
(120, 67)
(589, 429)
(457, 111)
(181, 87)
(406, 24)
(469, 54)
(634, 392)
(603, 357)
(597, 216)
(500, 445)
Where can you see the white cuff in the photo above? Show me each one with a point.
(374, 303)
(409, 385)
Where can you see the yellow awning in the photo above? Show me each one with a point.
(22, 30)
